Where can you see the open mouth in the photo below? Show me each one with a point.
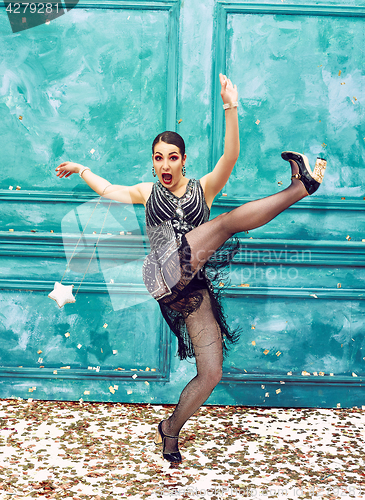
(167, 178)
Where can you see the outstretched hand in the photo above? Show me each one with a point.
(229, 92)
(67, 168)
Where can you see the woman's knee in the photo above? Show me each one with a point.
(212, 376)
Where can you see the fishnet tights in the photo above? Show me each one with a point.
(201, 324)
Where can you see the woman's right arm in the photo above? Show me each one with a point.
(137, 194)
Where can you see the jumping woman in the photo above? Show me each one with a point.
(183, 245)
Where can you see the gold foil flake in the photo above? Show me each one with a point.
(343, 83)
(111, 281)
(224, 194)
(282, 382)
(18, 188)
(153, 369)
(278, 391)
(67, 334)
(305, 373)
(253, 342)
(11, 188)
(314, 295)
(348, 237)
(79, 346)
(355, 98)
(179, 121)
(105, 325)
(20, 117)
(40, 360)
(278, 353)
(290, 373)
(338, 405)
(31, 389)
(129, 392)
(354, 374)
(115, 351)
(253, 327)
(324, 144)
(55, 372)
(244, 284)
(321, 374)
(134, 376)
(262, 387)
(315, 374)
(339, 73)
(134, 369)
(92, 151)
(146, 382)
(267, 394)
(343, 198)
(338, 285)
(39, 352)
(266, 351)
(331, 374)
(87, 393)
(116, 387)
(147, 369)
(112, 390)
(280, 183)
(221, 284)
(11, 230)
(257, 122)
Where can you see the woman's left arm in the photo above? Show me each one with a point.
(214, 182)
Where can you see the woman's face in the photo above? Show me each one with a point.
(168, 164)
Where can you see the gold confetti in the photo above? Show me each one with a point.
(321, 374)
(65, 367)
(221, 283)
(266, 351)
(278, 353)
(92, 151)
(244, 284)
(331, 374)
(257, 122)
(179, 121)
(253, 327)
(40, 360)
(116, 387)
(11, 230)
(67, 334)
(348, 237)
(338, 285)
(278, 391)
(134, 376)
(267, 394)
(133, 369)
(320, 66)
(339, 73)
(11, 188)
(87, 393)
(115, 351)
(20, 117)
(305, 373)
(324, 144)
(105, 325)
(314, 295)
(52, 231)
(343, 198)
(224, 194)
(280, 183)
(363, 241)
(153, 369)
(290, 373)
(39, 352)
(129, 392)
(55, 372)
(355, 98)
(253, 342)
(112, 390)
(338, 405)
(354, 374)
(343, 83)
(79, 346)
(147, 369)
(18, 188)
(315, 374)
(146, 382)
(262, 387)
(48, 21)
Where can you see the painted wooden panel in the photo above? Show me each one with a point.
(296, 289)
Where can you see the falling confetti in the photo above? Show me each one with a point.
(257, 122)
(92, 151)
(348, 237)
(339, 73)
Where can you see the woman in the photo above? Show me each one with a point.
(176, 272)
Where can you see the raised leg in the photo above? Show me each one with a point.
(207, 238)
(206, 338)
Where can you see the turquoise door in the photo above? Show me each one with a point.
(95, 85)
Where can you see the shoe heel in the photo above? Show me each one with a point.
(319, 169)
(157, 438)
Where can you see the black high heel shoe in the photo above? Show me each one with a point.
(310, 180)
(174, 457)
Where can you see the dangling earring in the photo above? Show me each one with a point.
(183, 170)
(153, 171)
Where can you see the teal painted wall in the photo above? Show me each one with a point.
(95, 86)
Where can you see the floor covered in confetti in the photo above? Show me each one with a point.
(102, 451)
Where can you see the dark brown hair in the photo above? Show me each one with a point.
(170, 138)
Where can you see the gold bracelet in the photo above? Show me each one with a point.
(82, 171)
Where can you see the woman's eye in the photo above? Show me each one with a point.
(158, 158)
(174, 158)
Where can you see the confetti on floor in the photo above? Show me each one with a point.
(105, 451)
